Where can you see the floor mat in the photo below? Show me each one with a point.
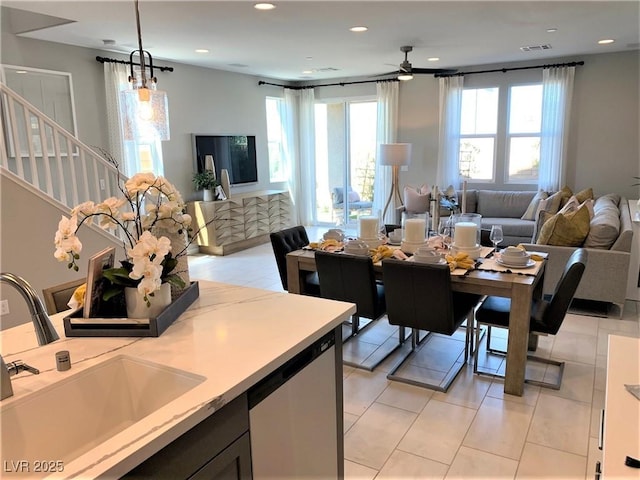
(590, 308)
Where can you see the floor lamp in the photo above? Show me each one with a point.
(394, 155)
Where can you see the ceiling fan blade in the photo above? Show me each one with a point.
(446, 71)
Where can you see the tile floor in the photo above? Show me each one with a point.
(399, 431)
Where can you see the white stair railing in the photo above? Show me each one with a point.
(41, 152)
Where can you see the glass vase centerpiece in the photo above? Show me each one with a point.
(414, 231)
(466, 233)
(149, 218)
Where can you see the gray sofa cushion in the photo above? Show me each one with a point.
(511, 227)
(503, 204)
(605, 224)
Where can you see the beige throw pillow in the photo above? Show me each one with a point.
(585, 194)
(416, 200)
(532, 210)
(566, 194)
(567, 230)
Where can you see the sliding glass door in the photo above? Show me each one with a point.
(345, 160)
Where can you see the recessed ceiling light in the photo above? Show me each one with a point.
(605, 41)
(202, 50)
(552, 30)
(359, 29)
(433, 59)
(307, 72)
(264, 6)
(21, 71)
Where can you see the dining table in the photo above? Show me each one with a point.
(520, 285)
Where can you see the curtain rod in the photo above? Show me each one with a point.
(339, 84)
(503, 70)
(126, 62)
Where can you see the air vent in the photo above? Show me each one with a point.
(535, 48)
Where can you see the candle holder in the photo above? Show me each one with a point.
(369, 230)
(414, 231)
(466, 233)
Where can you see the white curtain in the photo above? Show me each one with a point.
(115, 80)
(449, 136)
(386, 132)
(557, 91)
(299, 121)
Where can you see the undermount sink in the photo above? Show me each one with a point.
(70, 417)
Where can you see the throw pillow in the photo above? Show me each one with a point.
(589, 204)
(552, 203)
(353, 197)
(567, 230)
(571, 206)
(532, 209)
(415, 201)
(566, 194)
(585, 194)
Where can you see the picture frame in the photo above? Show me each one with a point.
(100, 261)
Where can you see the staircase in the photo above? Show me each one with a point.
(36, 150)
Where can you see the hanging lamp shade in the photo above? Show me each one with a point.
(146, 109)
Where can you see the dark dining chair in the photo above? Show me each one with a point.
(289, 240)
(57, 297)
(546, 315)
(419, 296)
(351, 278)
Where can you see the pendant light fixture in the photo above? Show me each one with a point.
(146, 108)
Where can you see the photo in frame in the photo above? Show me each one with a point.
(99, 262)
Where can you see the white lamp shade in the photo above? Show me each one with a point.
(394, 154)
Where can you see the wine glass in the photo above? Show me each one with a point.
(444, 230)
(496, 236)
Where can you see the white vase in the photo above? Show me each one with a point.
(207, 195)
(137, 307)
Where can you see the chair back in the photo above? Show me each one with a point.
(285, 241)
(550, 317)
(419, 296)
(57, 297)
(350, 278)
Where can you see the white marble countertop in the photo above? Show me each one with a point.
(231, 335)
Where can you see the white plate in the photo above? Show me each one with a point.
(530, 263)
(442, 261)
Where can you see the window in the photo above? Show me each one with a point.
(276, 139)
(523, 135)
(478, 132)
(500, 134)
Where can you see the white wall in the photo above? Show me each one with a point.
(29, 224)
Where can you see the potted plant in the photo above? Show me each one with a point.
(205, 180)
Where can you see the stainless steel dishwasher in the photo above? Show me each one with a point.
(293, 417)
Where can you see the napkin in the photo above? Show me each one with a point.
(77, 299)
(329, 245)
(460, 260)
(535, 257)
(383, 251)
(436, 242)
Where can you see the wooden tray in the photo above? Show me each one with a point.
(76, 326)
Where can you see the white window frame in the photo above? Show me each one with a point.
(504, 82)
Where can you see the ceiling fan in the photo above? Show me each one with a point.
(406, 70)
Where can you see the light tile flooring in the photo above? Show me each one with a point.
(399, 431)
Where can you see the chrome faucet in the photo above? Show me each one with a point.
(9, 370)
(44, 329)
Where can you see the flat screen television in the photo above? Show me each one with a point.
(235, 153)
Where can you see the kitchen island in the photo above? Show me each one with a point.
(233, 337)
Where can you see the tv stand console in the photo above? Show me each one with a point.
(241, 222)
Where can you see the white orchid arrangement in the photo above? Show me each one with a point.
(148, 204)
